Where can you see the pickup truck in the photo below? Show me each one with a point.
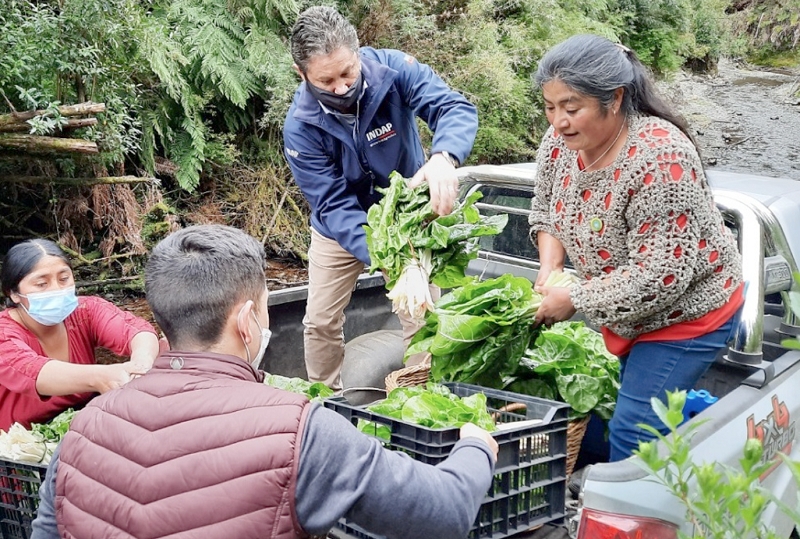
(755, 380)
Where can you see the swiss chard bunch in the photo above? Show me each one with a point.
(570, 363)
(432, 406)
(414, 246)
(479, 331)
(55, 430)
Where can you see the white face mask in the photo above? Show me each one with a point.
(262, 347)
(265, 336)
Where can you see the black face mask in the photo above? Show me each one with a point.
(343, 103)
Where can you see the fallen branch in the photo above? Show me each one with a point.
(80, 109)
(107, 180)
(41, 144)
(101, 282)
(71, 124)
(739, 142)
(80, 260)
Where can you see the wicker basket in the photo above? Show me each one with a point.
(576, 429)
(419, 374)
(416, 375)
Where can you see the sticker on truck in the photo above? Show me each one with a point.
(776, 433)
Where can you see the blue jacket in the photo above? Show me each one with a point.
(338, 172)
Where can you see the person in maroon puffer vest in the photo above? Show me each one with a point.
(200, 447)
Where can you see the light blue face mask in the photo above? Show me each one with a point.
(52, 307)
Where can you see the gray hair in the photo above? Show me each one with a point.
(195, 276)
(596, 67)
(319, 31)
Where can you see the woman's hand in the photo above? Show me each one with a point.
(556, 305)
(541, 278)
(117, 375)
(145, 347)
(552, 256)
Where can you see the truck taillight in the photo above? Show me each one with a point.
(600, 525)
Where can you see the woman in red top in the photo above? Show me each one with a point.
(48, 337)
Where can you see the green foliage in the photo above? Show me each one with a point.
(200, 88)
(772, 28)
(720, 501)
(654, 28)
(171, 72)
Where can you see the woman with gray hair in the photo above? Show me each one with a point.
(621, 192)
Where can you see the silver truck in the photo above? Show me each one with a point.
(756, 380)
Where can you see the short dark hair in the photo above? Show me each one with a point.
(196, 275)
(20, 261)
(596, 67)
(319, 31)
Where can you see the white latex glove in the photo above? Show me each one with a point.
(442, 182)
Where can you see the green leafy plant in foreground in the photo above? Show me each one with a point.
(721, 502)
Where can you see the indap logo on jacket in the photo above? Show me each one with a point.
(381, 134)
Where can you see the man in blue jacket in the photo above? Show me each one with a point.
(352, 122)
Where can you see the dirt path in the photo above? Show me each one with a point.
(745, 119)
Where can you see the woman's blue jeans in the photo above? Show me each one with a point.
(651, 369)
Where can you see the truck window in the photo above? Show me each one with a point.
(516, 203)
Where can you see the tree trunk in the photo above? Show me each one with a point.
(80, 109)
(41, 144)
(71, 124)
(109, 180)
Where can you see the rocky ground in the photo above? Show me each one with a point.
(745, 119)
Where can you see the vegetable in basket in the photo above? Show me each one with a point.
(433, 406)
(314, 391)
(569, 362)
(37, 444)
(414, 246)
(482, 333)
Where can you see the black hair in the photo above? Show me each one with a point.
(20, 261)
(596, 67)
(195, 276)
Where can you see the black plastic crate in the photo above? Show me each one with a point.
(19, 497)
(530, 477)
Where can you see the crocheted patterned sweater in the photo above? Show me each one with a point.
(644, 232)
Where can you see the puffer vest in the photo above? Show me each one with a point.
(196, 448)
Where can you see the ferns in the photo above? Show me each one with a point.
(174, 69)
